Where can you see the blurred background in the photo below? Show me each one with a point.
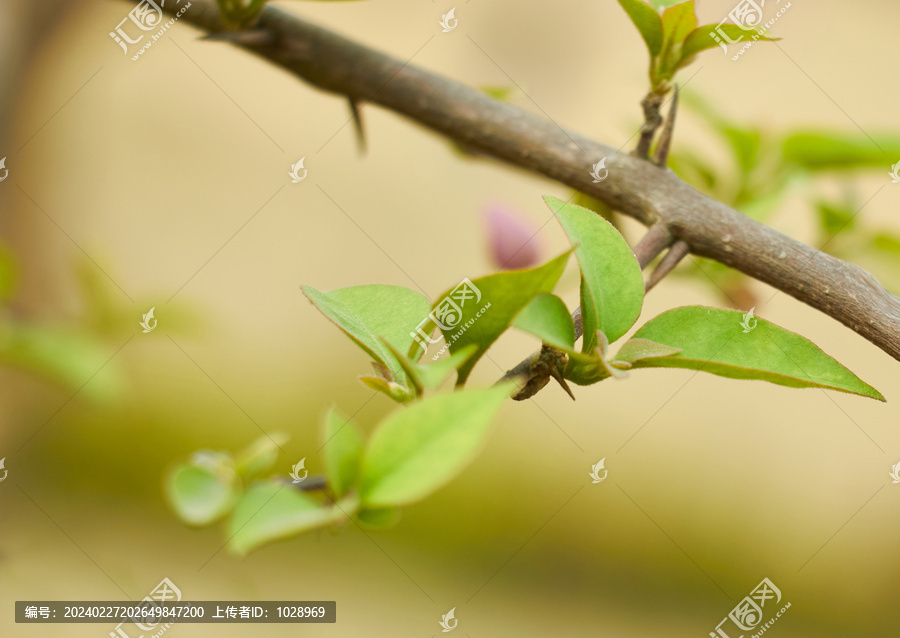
(164, 183)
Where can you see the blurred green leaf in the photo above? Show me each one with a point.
(366, 313)
(702, 38)
(836, 216)
(610, 269)
(648, 24)
(343, 446)
(715, 340)
(840, 151)
(274, 510)
(417, 450)
(260, 455)
(205, 489)
(380, 518)
(678, 21)
(502, 296)
(547, 317)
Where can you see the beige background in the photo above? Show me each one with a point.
(154, 165)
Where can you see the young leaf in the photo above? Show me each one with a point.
(703, 38)
(396, 392)
(343, 446)
(610, 269)
(482, 319)
(638, 349)
(547, 317)
(648, 23)
(274, 510)
(724, 342)
(416, 451)
(678, 22)
(430, 376)
(366, 313)
(204, 489)
(260, 455)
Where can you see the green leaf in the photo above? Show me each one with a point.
(482, 318)
(273, 510)
(588, 318)
(260, 455)
(610, 269)
(715, 340)
(417, 450)
(639, 349)
(678, 22)
(547, 317)
(836, 151)
(702, 38)
(366, 313)
(343, 446)
(397, 392)
(648, 24)
(204, 489)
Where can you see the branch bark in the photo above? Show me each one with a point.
(635, 187)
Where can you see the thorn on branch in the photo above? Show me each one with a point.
(355, 111)
(677, 252)
(661, 156)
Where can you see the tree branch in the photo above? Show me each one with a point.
(634, 186)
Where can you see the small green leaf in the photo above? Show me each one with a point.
(273, 510)
(419, 449)
(547, 317)
(343, 446)
(731, 344)
(610, 269)
(639, 349)
(204, 489)
(260, 455)
(478, 312)
(428, 376)
(648, 24)
(366, 313)
(395, 391)
(588, 319)
(678, 22)
(703, 38)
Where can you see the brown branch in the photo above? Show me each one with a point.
(634, 186)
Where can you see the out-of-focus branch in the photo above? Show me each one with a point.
(635, 187)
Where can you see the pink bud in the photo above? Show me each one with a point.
(512, 238)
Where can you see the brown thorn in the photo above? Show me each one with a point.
(661, 156)
(357, 120)
(677, 252)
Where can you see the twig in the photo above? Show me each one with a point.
(635, 187)
(677, 252)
